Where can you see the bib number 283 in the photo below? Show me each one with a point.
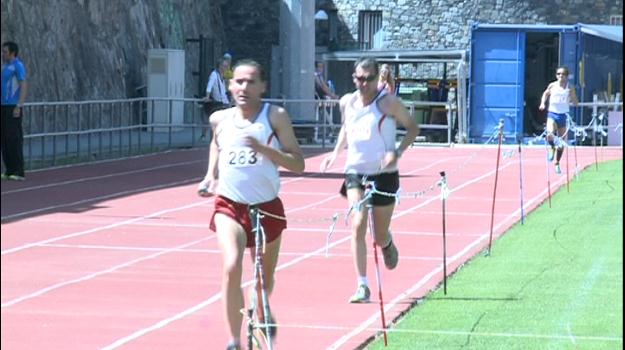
(242, 157)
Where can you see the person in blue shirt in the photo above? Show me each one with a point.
(14, 90)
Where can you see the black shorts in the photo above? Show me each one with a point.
(212, 107)
(385, 182)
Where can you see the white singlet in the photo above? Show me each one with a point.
(559, 99)
(246, 176)
(370, 134)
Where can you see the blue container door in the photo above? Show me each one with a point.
(497, 80)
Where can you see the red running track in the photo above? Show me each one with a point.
(118, 254)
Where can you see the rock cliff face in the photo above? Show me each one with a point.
(97, 49)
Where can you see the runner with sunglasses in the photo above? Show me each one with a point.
(369, 131)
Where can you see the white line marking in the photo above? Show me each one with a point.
(99, 198)
(100, 228)
(75, 181)
(457, 333)
(141, 332)
(99, 273)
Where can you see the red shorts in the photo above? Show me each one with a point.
(239, 212)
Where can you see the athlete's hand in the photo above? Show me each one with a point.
(541, 107)
(252, 143)
(206, 188)
(390, 159)
(327, 162)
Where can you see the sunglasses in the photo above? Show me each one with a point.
(362, 79)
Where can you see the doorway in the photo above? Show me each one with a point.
(541, 61)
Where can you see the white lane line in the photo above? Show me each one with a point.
(99, 273)
(160, 324)
(213, 251)
(100, 228)
(99, 177)
(457, 333)
(99, 198)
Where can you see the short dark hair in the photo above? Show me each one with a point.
(12, 47)
(564, 68)
(367, 63)
(251, 63)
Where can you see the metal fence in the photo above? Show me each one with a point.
(59, 133)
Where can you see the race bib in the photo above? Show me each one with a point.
(359, 133)
(240, 157)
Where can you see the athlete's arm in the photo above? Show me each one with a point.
(341, 139)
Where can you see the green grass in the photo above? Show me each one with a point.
(554, 283)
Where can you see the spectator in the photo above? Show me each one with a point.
(387, 80)
(14, 89)
(216, 92)
(322, 90)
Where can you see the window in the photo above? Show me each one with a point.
(616, 20)
(370, 29)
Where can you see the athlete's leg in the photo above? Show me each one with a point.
(359, 231)
(232, 240)
(270, 261)
(382, 221)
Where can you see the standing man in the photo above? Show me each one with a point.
(250, 141)
(216, 93)
(14, 89)
(560, 95)
(322, 90)
(369, 130)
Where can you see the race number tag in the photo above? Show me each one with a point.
(240, 157)
(359, 133)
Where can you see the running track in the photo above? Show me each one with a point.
(119, 255)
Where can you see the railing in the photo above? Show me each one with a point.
(59, 133)
(597, 124)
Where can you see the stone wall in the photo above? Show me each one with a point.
(445, 24)
(252, 28)
(91, 49)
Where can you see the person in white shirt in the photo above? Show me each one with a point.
(369, 131)
(216, 93)
(559, 95)
(250, 141)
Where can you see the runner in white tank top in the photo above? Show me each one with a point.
(369, 132)
(252, 178)
(560, 95)
(370, 135)
(242, 167)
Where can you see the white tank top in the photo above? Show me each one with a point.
(559, 99)
(370, 134)
(246, 176)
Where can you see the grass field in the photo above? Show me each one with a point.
(555, 282)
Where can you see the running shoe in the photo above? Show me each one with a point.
(233, 347)
(558, 170)
(362, 295)
(390, 254)
(4, 176)
(16, 178)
